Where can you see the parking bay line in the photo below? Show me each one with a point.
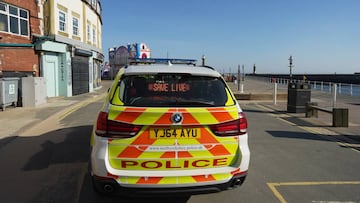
(317, 131)
(278, 195)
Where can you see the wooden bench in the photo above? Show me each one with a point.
(340, 116)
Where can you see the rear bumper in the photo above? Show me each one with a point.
(111, 187)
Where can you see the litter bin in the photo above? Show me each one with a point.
(298, 95)
(8, 92)
(340, 117)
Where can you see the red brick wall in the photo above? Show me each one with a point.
(21, 58)
(18, 59)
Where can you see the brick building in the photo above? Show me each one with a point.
(19, 22)
(57, 40)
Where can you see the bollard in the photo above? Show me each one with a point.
(275, 94)
(309, 111)
(334, 95)
(321, 86)
(339, 89)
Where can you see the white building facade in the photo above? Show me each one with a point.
(70, 46)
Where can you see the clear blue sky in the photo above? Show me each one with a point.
(323, 36)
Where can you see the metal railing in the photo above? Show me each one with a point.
(341, 88)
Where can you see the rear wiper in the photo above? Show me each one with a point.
(194, 102)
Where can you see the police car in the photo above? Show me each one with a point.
(169, 126)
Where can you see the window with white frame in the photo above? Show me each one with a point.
(93, 3)
(94, 35)
(75, 26)
(88, 33)
(62, 21)
(14, 20)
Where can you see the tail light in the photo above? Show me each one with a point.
(113, 129)
(232, 128)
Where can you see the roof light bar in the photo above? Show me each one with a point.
(161, 60)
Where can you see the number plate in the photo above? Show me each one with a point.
(174, 133)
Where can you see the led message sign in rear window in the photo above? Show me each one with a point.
(168, 87)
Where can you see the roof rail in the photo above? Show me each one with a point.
(161, 60)
(205, 66)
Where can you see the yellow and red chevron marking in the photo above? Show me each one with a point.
(165, 119)
(210, 151)
(133, 149)
(130, 114)
(132, 154)
(221, 114)
(171, 179)
(162, 116)
(175, 179)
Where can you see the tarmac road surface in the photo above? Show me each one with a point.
(292, 160)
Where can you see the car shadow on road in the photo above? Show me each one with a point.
(53, 167)
(63, 146)
(87, 195)
(46, 168)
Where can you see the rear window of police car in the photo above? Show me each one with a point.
(169, 90)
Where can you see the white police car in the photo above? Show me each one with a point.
(168, 126)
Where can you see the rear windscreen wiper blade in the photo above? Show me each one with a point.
(194, 102)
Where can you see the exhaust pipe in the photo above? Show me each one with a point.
(108, 188)
(236, 182)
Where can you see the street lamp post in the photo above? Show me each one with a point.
(291, 66)
(243, 72)
(238, 78)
